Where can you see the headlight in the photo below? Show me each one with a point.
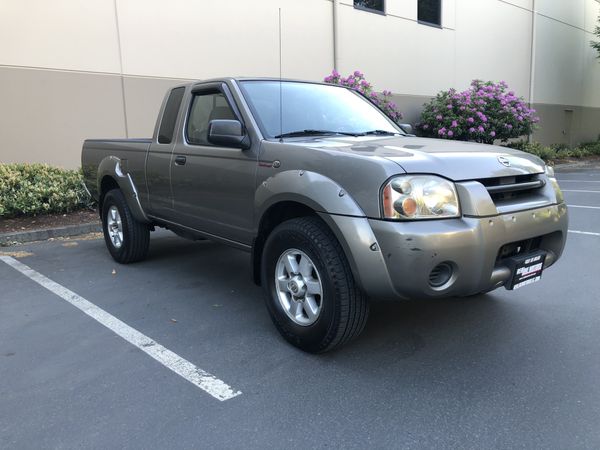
(419, 197)
(550, 171)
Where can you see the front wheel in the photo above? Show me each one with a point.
(126, 238)
(310, 292)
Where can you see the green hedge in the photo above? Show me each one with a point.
(556, 152)
(31, 189)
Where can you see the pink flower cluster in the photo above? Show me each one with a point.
(357, 81)
(485, 112)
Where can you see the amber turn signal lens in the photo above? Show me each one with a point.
(409, 206)
(388, 206)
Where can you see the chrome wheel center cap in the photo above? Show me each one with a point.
(297, 287)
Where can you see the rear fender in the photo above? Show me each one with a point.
(116, 169)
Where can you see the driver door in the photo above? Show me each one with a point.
(213, 186)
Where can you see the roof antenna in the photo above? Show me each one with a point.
(280, 89)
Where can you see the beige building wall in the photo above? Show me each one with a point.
(72, 69)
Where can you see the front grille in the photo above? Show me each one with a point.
(513, 187)
(519, 248)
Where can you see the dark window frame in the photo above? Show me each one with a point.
(207, 89)
(427, 22)
(371, 10)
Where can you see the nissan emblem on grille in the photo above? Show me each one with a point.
(504, 161)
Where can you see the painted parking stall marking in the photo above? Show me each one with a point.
(587, 187)
(198, 377)
(588, 233)
(584, 206)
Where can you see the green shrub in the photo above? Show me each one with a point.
(592, 147)
(557, 151)
(31, 189)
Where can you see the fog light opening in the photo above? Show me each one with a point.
(440, 275)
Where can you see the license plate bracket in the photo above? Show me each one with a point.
(526, 269)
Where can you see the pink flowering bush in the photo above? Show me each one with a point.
(357, 81)
(485, 112)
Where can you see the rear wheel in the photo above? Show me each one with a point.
(310, 291)
(127, 239)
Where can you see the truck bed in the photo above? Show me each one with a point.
(133, 151)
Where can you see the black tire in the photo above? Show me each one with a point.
(136, 235)
(344, 307)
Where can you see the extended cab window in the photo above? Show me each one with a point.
(206, 106)
(167, 125)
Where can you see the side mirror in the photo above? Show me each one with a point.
(406, 127)
(228, 133)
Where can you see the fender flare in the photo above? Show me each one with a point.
(116, 169)
(332, 204)
(314, 190)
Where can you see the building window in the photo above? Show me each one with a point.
(371, 5)
(430, 12)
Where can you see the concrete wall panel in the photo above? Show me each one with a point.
(401, 8)
(591, 15)
(47, 114)
(212, 38)
(61, 34)
(524, 4)
(570, 12)
(414, 59)
(559, 63)
(488, 49)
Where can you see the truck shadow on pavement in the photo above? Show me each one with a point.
(395, 330)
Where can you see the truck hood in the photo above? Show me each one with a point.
(455, 160)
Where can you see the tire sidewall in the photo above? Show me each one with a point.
(312, 337)
(115, 198)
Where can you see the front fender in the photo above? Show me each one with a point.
(316, 191)
(115, 168)
(342, 214)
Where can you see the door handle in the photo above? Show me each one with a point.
(180, 160)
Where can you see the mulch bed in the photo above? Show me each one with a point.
(47, 221)
(582, 161)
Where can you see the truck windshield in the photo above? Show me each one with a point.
(313, 109)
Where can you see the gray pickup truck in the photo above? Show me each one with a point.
(335, 202)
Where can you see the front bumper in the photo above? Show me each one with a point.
(395, 259)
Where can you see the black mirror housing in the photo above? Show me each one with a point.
(229, 133)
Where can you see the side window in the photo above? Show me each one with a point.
(370, 5)
(206, 106)
(167, 125)
(430, 12)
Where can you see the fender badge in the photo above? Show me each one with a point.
(504, 161)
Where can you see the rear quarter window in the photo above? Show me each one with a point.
(167, 124)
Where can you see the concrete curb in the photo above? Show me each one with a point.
(41, 235)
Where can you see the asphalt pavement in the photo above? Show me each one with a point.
(510, 369)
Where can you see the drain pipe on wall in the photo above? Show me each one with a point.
(336, 40)
(532, 61)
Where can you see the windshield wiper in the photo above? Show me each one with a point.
(300, 133)
(380, 133)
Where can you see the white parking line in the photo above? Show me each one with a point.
(590, 233)
(579, 190)
(581, 206)
(578, 181)
(204, 380)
